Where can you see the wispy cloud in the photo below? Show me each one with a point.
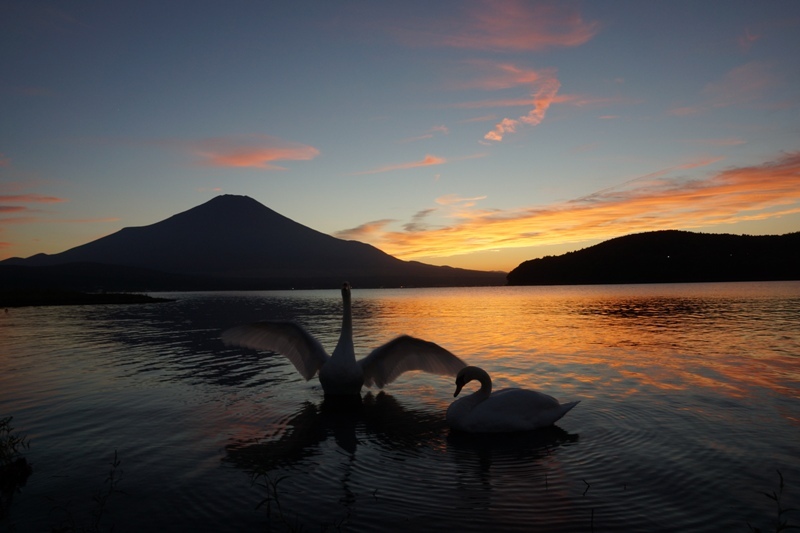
(454, 199)
(748, 39)
(517, 26)
(746, 84)
(543, 86)
(30, 199)
(543, 97)
(663, 199)
(364, 231)
(743, 84)
(444, 130)
(13, 209)
(251, 151)
(732, 141)
(427, 161)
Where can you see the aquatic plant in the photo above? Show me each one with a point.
(14, 468)
(781, 521)
(100, 498)
(291, 521)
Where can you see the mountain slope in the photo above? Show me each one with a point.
(236, 238)
(669, 257)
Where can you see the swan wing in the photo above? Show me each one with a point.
(283, 337)
(405, 353)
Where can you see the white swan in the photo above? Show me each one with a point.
(340, 373)
(502, 411)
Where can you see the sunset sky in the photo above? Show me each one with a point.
(476, 134)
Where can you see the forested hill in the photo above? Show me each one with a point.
(669, 257)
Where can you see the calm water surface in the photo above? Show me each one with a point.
(690, 402)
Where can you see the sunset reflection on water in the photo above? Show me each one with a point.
(650, 335)
(689, 399)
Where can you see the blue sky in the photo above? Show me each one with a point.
(470, 133)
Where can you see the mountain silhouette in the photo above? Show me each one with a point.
(669, 256)
(236, 242)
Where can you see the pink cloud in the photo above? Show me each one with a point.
(428, 160)
(251, 151)
(518, 26)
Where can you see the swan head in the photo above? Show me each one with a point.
(346, 288)
(467, 374)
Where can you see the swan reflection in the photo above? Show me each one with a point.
(377, 418)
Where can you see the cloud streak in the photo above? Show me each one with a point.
(251, 151)
(427, 161)
(543, 97)
(30, 199)
(648, 203)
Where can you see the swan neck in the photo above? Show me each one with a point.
(344, 347)
(486, 383)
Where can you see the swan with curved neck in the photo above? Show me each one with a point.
(340, 373)
(504, 410)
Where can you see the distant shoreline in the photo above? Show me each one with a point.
(47, 297)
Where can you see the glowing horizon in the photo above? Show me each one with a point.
(476, 134)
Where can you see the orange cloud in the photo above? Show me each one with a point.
(12, 208)
(30, 199)
(252, 151)
(519, 26)
(367, 229)
(427, 161)
(647, 203)
(542, 100)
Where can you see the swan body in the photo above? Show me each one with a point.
(504, 410)
(340, 373)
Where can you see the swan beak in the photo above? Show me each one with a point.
(458, 389)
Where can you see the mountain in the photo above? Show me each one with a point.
(232, 242)
(669, 257)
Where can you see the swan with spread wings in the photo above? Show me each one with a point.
(340, 373)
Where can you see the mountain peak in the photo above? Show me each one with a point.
(237, 238)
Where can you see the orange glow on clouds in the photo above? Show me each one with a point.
(428, 160)
(648, 203)
(544, 96)
(30, 199)
(252, 151)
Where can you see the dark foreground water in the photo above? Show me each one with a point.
(690, 405)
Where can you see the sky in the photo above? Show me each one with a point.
(476, 134)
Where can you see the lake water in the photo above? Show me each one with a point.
(690, 404)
